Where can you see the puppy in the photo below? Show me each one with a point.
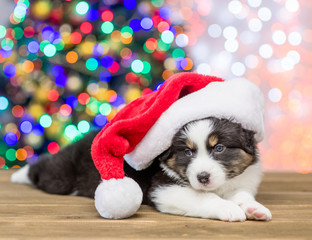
(211, 170)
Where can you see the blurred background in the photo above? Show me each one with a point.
(68, 66)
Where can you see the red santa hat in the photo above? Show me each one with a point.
(144, 129)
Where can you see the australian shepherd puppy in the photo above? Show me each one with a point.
(211, 170)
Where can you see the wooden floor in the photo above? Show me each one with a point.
(26, 213)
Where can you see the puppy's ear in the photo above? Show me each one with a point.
(165, 155)
(248, 141)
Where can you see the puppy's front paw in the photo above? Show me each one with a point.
(256, 211)
(230, 212)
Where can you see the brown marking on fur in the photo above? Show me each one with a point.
(189, 144)
(239, 165)
(246, 158)
(213, 140)
(171, 161)
(182, 171)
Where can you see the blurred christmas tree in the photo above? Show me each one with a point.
(68, 66)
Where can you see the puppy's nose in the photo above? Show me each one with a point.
(203, 177)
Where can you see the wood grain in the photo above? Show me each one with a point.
(27, 213)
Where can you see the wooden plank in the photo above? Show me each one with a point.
(27, 213)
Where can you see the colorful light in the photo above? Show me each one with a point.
(146, 23)
(2, 31)
(82, 8)
(53, 147)
(130, 4)
(86, 27)
(9, 70)
(76, 60)
(10, 154)
(83, 98)
(107, 61)
(49, 50)
(71, 57)
(107, 16)
(100, 120)
(26, 126)
(10, 138)
(83, 126)
(92, 64)
(105, 76)
(137, 66)
(71, 132)
(107, 27)
(165, 12)
(45, 121)
(4, 103)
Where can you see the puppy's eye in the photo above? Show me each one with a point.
(219, 148)
(188, 152)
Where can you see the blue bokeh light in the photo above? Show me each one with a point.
(10, 138)
(105, 76)
(100, 120)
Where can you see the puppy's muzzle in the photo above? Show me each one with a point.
(203, 178)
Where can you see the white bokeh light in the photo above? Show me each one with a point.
(182, 40)
(238, 69)
(294, 55)
(254, 3)
(231, 45)
(265, 14)
(275, 95)
(214, 31)
(203, 68)
(287, 63)
(279, 37)
(235, 7)
(255, 25)
(292, 5)
(265, 51)
(230, 32)
(294, 38)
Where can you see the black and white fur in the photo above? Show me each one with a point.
(211, 170)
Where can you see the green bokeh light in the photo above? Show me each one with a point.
(7, 42)
(2, 31)
(49, 50)
(158, 3)
(18, 33)
(105, 109)
(137, 66)
(107, 27)
(83, 126)
(71, 132)
(4, 103)
(178, 52)
(92, 64)
(45, 121)
(11, 154)
(82, 8)
(146, 67)
(167, 37)
(163, 46)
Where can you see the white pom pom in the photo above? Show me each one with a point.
(118, 198)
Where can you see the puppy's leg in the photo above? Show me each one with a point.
(253, 209)
(185, 201)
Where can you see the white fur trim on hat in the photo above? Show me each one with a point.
(236, 99)
(118, 198)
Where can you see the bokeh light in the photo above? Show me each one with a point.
(68, 67)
